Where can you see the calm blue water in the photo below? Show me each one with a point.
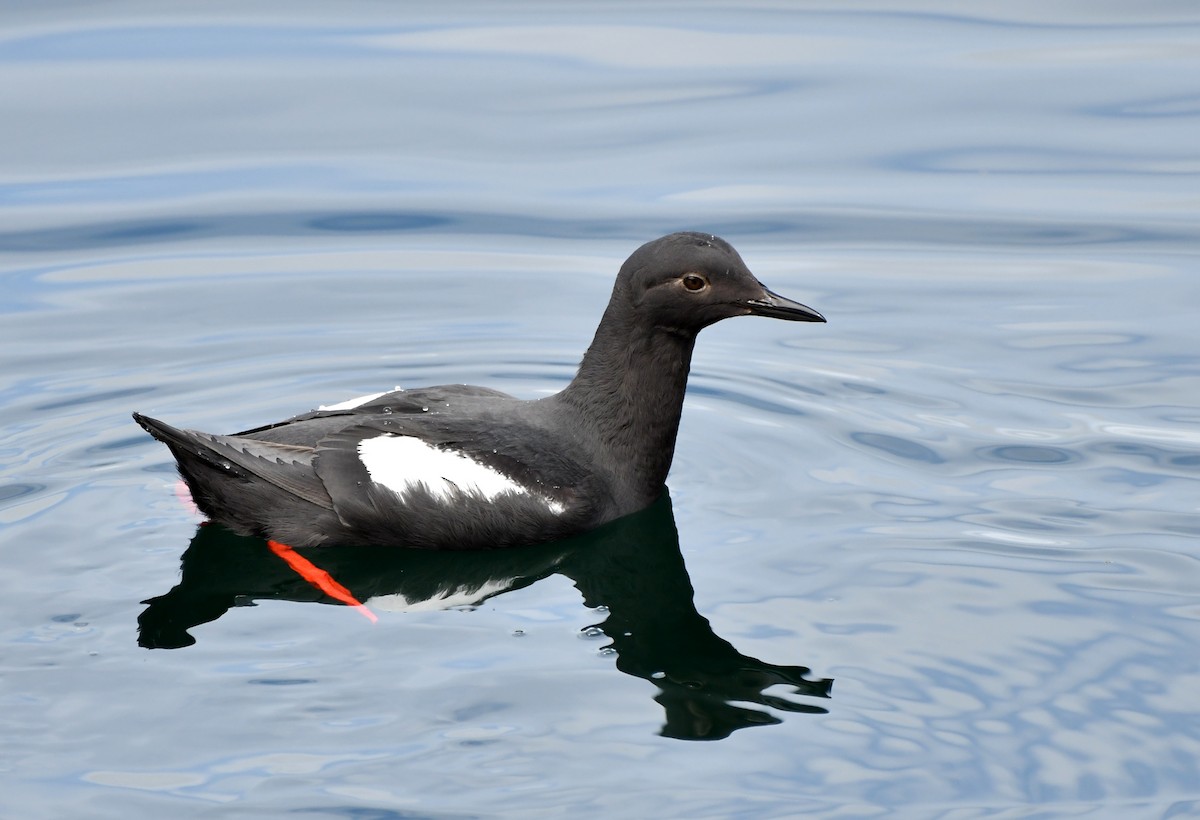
(937, 558)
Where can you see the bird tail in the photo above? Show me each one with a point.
(185, 445)
(161, 430)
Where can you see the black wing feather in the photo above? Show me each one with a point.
(288, 467)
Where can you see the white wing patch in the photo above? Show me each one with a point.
(401, 463)
(350, 404)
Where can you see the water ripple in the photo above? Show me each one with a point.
(806, 227)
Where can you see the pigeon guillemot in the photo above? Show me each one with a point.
(462, 467)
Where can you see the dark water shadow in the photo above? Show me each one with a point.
(632, 567)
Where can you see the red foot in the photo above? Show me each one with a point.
(185, 497)
(319, 578)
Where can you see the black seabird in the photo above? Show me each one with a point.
(463, 467)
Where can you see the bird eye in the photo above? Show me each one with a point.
(694, 282)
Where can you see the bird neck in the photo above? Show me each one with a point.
(629, 392)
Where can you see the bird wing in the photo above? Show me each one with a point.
(440, 457)
(286, 466)
(403, 402)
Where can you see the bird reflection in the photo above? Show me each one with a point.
(632, 568)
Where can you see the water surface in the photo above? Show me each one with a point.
(936, 558)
